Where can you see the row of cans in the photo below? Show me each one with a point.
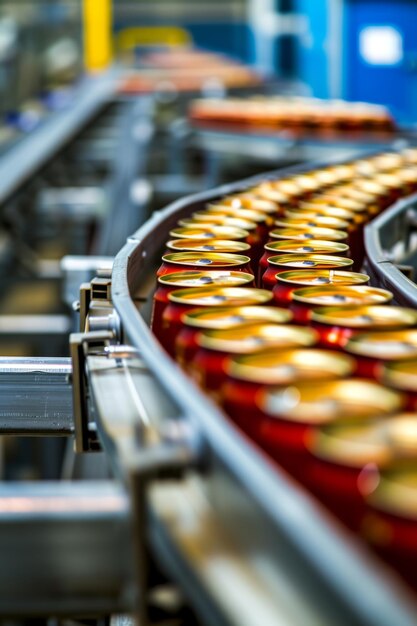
(294, 113)
(261, 299)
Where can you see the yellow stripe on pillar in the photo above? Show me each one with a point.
(97, 16)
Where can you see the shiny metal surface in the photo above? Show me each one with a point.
(65, 549)
(35, 396)
(391, 250)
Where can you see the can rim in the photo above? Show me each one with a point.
(179, 278)
(194, 295)
(269, 314)
(400, 375)
(310, 295)
(191, 258)
(325, 259)
(268, 205)
(229, 245)
(229, 212)
(309, 234)
(214, 232)
(232, 222)
(371, 315)
(336, 442)
(319, 244)
(364, 344)
(300, 277)
(267, 210)
(257, 337)
(301, 222)
(396, 492)
(328, 401)
(289, 365)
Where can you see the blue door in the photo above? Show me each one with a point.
(380, 54)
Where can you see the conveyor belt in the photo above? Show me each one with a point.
(276, 530)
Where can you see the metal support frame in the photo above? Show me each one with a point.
(144, 439)
(65, 549)
(80, 345)
(36, 397)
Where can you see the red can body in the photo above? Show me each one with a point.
(185, 300)
(190, 278)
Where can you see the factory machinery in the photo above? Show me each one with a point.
(171, 479)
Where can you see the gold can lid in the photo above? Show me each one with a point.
(409, 155)
(342, 295)
(306, 210)
(248, 201)
(281, 368)
(288, 186)
(400, 375)
(388, 180)
(315, 210)
(220, 296)
(307, 182)
(396, 492)
(202, 245)
(304, 223)
(353, 443)
(228, 211)
(364, 167)
(213, 220)
(370, 186)
(323, 234)
(230, 317)
(387, 161)
(356, 443)
(192, 278)
(206, 259)
(310, 261)
(401, 433)
(387, 346)
(322, 277)
(326, 402)
(265, 192)
(343, 172)
(341, 201)
(256, 337)
(352, 192)
(381, 317)
(313, 246)
(326, 177)
(214, 232)
(408, 175)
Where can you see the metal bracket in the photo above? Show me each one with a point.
(82, 344)
(164, 461)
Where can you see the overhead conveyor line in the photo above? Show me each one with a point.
(35, 150)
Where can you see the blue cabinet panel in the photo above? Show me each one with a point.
(311, 51)
(392, 79)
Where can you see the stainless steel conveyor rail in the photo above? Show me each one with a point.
(247, 545)
(391, 250)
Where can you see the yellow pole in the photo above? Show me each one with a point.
(97, 17)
